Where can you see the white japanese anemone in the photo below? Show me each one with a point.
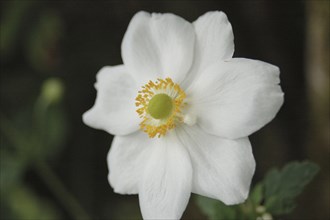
(181, 109)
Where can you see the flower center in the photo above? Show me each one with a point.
(159, 105)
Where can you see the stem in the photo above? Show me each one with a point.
(59, 190)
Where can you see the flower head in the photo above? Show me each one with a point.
(181, 109)
(159, 105)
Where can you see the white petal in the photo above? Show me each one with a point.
(237, 97)
(158, 45)
(166, 184)
(214, 41)
(114, 108)
(126, 161)
(223, 168)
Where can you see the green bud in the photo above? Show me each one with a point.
(52, 90)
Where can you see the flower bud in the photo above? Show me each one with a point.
(52, 90)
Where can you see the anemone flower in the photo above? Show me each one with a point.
(181, 109)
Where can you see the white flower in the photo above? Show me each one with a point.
(181, 109)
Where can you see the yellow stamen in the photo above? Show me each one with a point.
(156, 121)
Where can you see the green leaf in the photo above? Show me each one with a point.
(282, 187)
(216, 210)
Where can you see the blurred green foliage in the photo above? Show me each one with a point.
(25, 204)
(42, 41)
(11, 23)
(270, 198)
(37, 132)
(35, 135)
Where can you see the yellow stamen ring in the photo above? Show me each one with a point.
(159, 105)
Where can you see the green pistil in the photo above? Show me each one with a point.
(160, 106)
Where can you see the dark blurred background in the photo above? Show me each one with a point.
(54, 167)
